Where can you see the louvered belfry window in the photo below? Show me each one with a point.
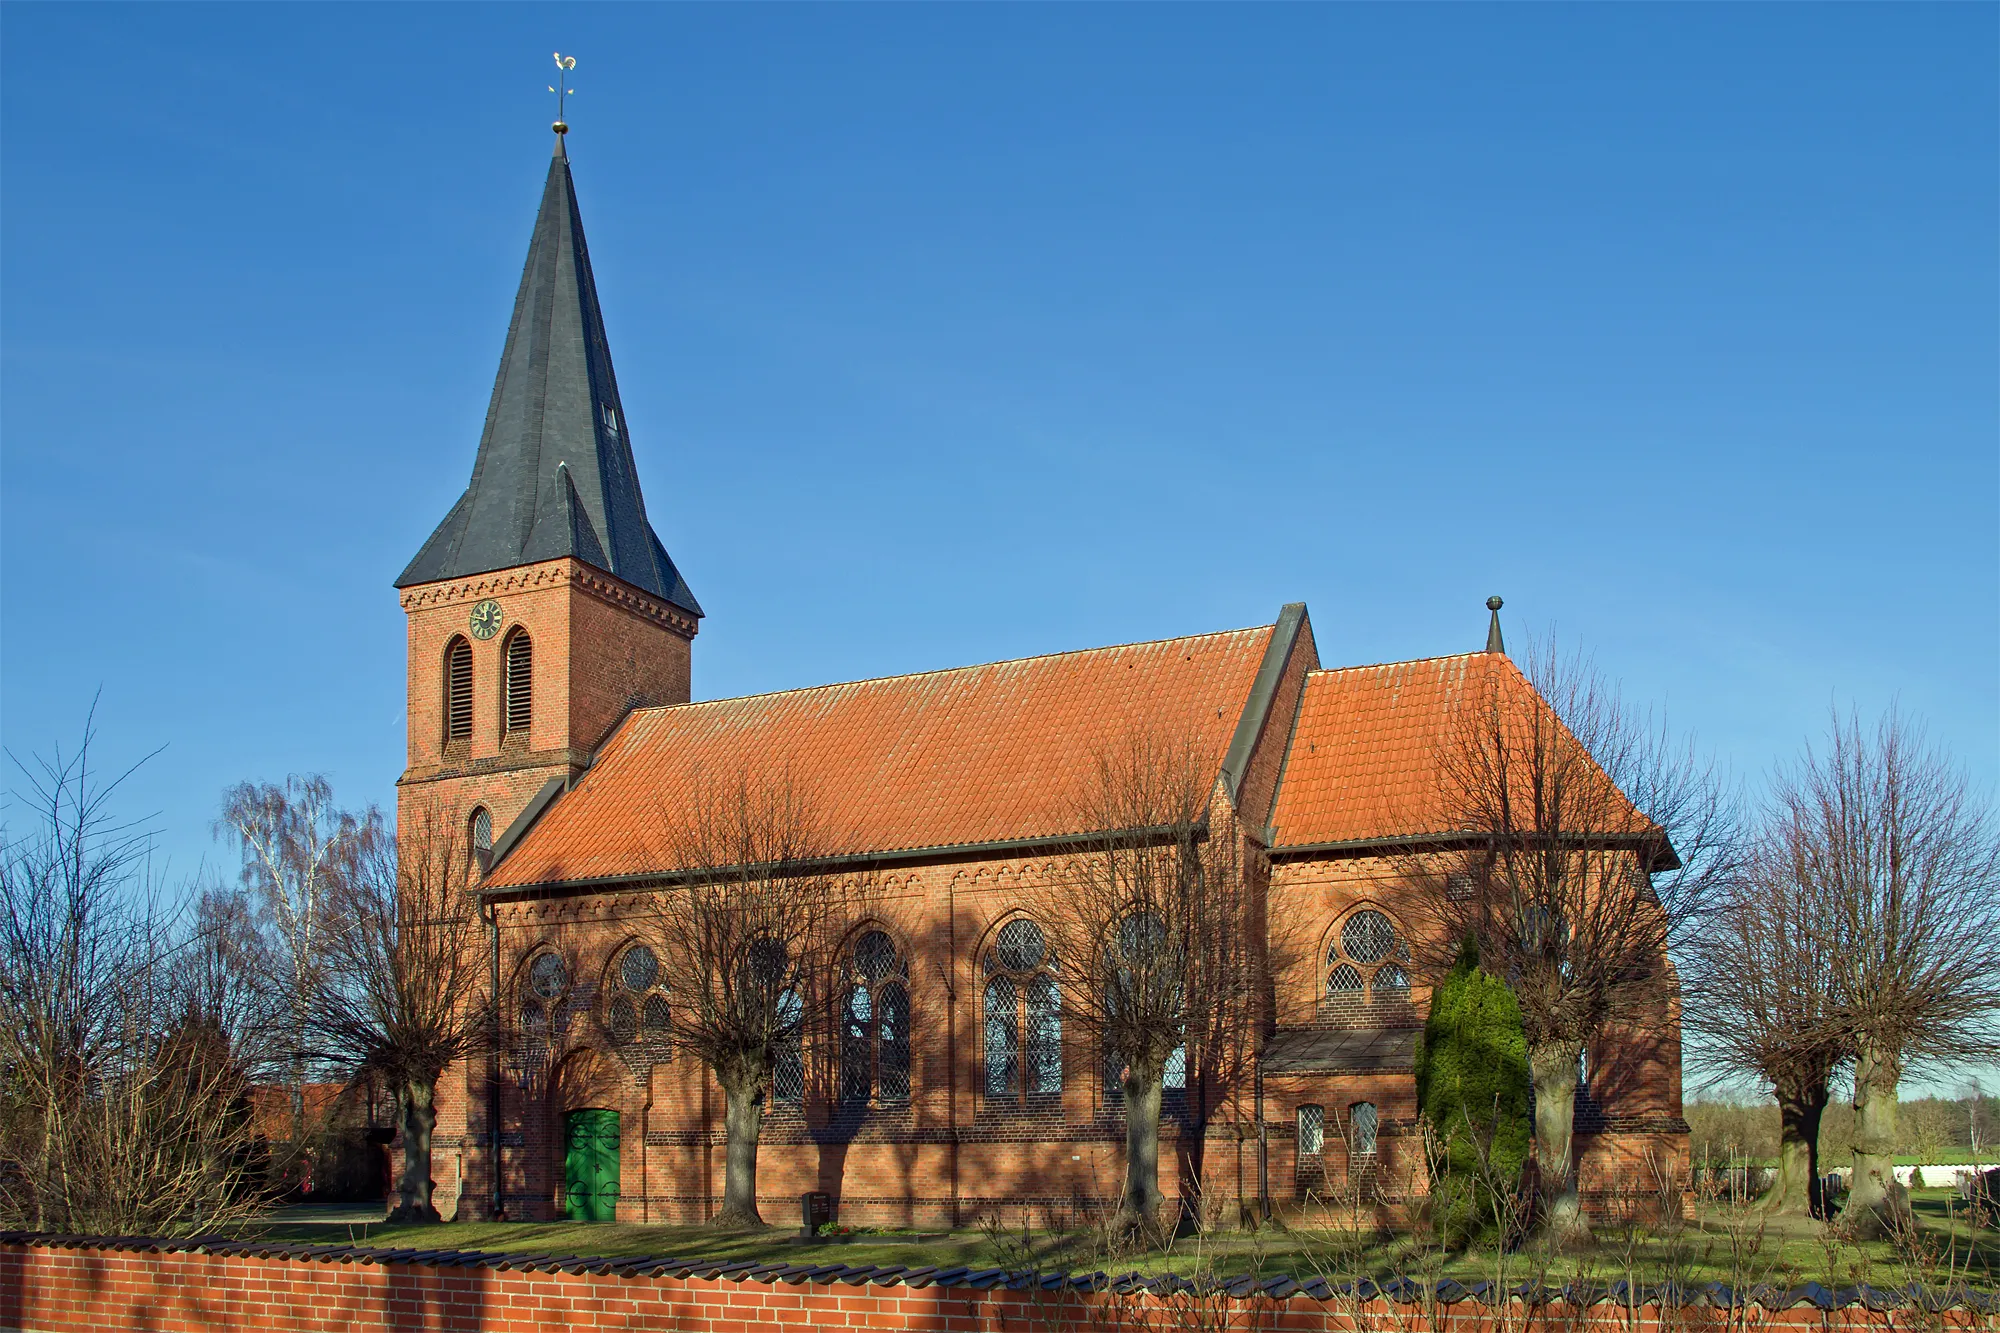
(520, 680)
(457, 690)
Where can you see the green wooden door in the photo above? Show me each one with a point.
(590, 1165)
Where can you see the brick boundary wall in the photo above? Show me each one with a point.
(112, 1285)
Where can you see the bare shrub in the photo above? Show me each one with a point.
(124, 1082)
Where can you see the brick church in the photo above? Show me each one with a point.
(550, 707)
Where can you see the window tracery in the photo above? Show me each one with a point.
(875, 1030)
(1023, 996)
(1366, 978)
(638, 1017)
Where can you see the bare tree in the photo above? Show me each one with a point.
(1891, 835)
(1584, 837)
(748, 929)
(295, 842)
(1149, 915)
(403, 992)
(1759, 1005)
(123, 1100)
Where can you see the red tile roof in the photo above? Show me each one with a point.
(1364, 753)
(946, 758)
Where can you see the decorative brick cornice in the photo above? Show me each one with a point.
(605, 587)
(572, 760)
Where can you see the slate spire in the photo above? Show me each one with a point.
(554, 476)
(1494, 643)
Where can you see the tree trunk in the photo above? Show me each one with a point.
(1553, 1065)
(1795, 1193)
(416, 1103)
(1876, 1203)
(742, 1126)
(1139, 1205)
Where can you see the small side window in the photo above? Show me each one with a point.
(481, 836)
(1312, 1130)
(1362, 1117)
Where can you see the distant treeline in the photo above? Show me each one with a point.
(1929, 1127)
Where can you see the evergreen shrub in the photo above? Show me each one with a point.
(1473, 1087)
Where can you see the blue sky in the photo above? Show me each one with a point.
(949, 334)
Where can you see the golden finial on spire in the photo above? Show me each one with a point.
(564, 64)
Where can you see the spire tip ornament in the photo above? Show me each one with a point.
(1494, 643)
(564, 64)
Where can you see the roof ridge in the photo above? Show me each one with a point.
(1401, 661)
(946, 671)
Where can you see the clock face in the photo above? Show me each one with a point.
(486, 619)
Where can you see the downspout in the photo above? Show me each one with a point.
(951, 1031)
(1263, 1150)
(499, 1213)
(645, 1134)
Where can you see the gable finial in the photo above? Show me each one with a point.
(1494, 644)
(564, 64)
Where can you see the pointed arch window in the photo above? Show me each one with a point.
(875, 1029)
(519, 704)
(1023, 1033)
(457, 690)
(1366, 983)
(639, 1019)
(544, 1008)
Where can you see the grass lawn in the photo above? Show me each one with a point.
(1730, 1245)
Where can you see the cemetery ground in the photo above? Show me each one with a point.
(1726, 1242)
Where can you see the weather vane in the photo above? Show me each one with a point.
(564, 64)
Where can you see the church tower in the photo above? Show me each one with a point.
(544, 607)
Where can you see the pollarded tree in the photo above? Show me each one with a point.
(1149, 913)
(403, 993)
(1759, 1005)
(749, 923)
(1888, 833)
(1578, 840)
(1473, 1087)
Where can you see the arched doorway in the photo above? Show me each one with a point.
(590, 1165)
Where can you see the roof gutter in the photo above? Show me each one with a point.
(1662, 855)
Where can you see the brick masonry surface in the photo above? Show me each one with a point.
(51, 1283)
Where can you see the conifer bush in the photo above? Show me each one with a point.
(1473, 1086)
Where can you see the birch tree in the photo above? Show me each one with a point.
(294, 842)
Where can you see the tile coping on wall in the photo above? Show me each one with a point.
(1402, 1290)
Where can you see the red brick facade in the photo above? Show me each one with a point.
(949, 1153)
